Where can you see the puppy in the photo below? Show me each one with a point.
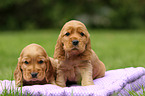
(34, 67)
(77, 62)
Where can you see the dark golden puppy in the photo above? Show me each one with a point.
(34, 66)
(76, 60)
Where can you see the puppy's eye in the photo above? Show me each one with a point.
(82, 34)
(67, 34)
(40, 62)
(26, 62)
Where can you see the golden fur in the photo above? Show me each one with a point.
(34, 59)
(76, 62)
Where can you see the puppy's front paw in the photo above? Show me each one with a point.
(87, 83)
(53, 83)
(60, 84)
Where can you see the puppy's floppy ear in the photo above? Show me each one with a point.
(87, 53)
(49, 71)
(18, 73)
(59, 53)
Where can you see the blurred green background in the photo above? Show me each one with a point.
(39, 14)
(117, 29)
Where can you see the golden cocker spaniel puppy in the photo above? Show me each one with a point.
(34, 67)
(76, 60)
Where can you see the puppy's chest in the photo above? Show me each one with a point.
(72, 73)
(72, 70)
(71, 65)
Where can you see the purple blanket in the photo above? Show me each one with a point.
(119, 81)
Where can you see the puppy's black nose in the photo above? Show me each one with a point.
(75, 42)
(34, 75)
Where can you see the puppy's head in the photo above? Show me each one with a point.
(33, 65)
(73, 40)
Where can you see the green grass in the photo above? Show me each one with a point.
(141, 92)
(116, 48)
(14, 92)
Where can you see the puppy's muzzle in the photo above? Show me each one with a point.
(75, 42)
(34, 75)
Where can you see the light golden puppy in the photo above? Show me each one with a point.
(34, 67)
(76, 60)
